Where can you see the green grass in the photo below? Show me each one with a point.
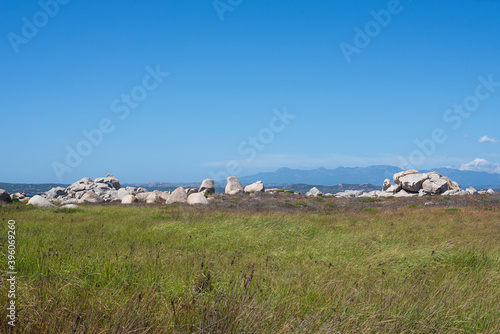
(179, 269)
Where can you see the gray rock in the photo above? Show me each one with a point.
(111, 180)
(208, 185)
(153, 197)
(396, 178)
(142, 196)
(413, 182)
(40, 202)
(178, 196)
(131, 190)
(349, 193)
(435, 185)
(90, 197)
(164, 195)
(233, 186)
(197, 198)
(471, 191)
(394, 188)
(121, 193)
(255, 187)
(314, 192)
(403, 193)
(387, 184)
(129, 199)
(490, 191)
(5, 197)
(55, 193)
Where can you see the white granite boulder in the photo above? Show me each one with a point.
(314, 192)
(129, 199)
(197, 198)
(178, 196)
(255, 187)
(40, 202)
(208, 185)
(233, 186)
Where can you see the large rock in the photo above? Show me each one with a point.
(233, 186)
(40, 202)
(5, 197)
(208, 185)
(471, 191)
(178, 196)
(490, 191)
(255, 187)
(142, 197)
(399, 175)
(91, 197)
(394, 188)
(111, 180)
(81, 185)
(197, 198)
(435, 186)
(153, 197)
(129, 199)
(387, 184)
(349, 193)
(314, 192)
(56, 192)
(121, 193)
(413, 182)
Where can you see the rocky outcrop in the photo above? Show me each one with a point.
(40, 202)
(255, 187)
(207, 186)
(233, 186)
(314, 192)
(197, 198)
(178, 196)
(413, 182)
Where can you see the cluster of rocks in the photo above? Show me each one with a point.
(108, 189)
(411, 183)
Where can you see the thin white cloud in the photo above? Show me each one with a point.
(486, 139)
(481, 165)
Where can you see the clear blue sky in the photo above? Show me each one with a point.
(227, 76)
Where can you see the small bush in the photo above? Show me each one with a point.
(452, 210)
(369, 210)
(318, 199)
(414, 206)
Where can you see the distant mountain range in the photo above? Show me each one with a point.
(365, 175)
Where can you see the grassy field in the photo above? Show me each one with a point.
(297, 266)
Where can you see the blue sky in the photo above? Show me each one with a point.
(233, 67)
